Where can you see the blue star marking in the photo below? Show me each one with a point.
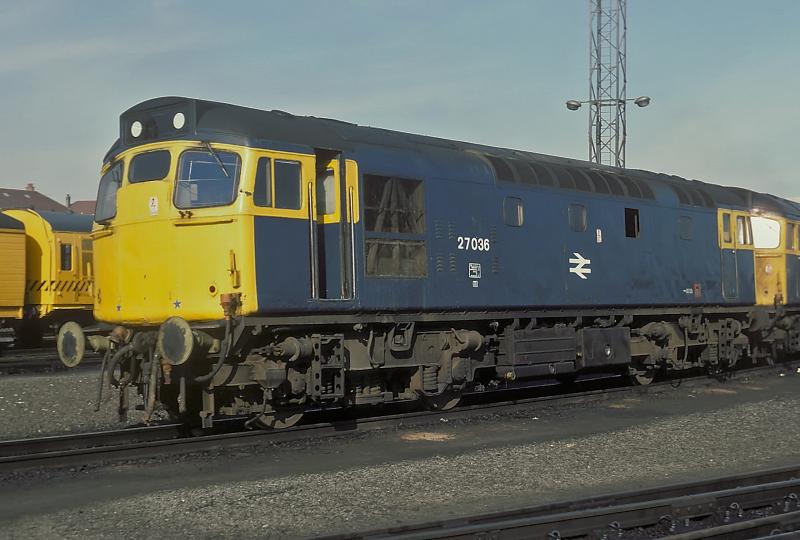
(177, 304)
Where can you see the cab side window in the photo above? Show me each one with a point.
(744, 236)
(262, 191)
(287, 184)
(790, 236)
(286, 176)
(726, 229)
(326, 192)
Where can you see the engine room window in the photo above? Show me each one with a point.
(206, 179)
(513, 212)
(149, 166)
(744, 235)
(577, 217)
(393, 205)
(766, 233)
(287, 184)
(685, 227)
(394, 208)
(632, 222)
(326, 192)
(396, 258)
(107, 194)
(66, 257)
(262, 190)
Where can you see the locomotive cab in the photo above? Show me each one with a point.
(197, 225)
(170, 234)
(177, 222)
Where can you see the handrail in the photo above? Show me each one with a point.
(203, 221)
(312, 242)
(352, 246)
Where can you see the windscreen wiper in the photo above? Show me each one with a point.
(216, 157)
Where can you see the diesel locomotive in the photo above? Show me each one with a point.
(45, 273)
(257, 262)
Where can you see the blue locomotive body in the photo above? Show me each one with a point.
(478, 256)
(356, 265)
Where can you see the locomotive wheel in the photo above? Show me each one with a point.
(442, 402)
(641, 377)
(280, 419)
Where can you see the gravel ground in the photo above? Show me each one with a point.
(444, 470)
(53, 404)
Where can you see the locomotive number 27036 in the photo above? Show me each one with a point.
(473, 244)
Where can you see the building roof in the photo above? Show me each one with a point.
(29, 198)
(85, 208)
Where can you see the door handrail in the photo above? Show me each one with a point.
(352, 245)
(312, 242)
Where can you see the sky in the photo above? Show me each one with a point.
(724, 77)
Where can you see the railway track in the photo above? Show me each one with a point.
(40, 360)
(134, 443)
(759, 504)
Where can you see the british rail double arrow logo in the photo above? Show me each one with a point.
(581, 267)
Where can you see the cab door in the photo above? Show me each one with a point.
(727, 243)
(282, 229)
(305, 208)
(332, 219)
(770, 257)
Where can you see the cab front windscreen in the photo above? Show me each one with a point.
(107, 194)
(206, 178)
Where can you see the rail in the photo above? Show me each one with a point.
(741, 506)
(41, 360)
(67, 450)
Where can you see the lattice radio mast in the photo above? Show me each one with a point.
(607, 82)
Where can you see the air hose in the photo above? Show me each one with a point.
(223, 354)
(112, 364)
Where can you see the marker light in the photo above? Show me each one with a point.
(136, 128)
(178, 120)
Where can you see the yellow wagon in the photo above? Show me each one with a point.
(46, 271)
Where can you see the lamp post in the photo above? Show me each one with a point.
(607, 127)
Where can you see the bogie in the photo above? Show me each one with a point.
(275, 377)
